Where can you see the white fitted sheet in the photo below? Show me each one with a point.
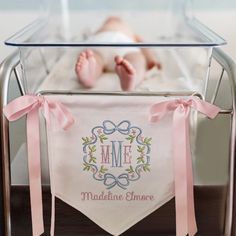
(63, 77)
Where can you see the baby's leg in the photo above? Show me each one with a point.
(131, 70)
(89, 67)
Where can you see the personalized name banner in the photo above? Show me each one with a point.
(113, 165)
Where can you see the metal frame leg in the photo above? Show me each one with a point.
(6, 69)
(229, 66)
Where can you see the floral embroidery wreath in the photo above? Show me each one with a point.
(100, 134)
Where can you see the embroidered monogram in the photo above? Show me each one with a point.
(116, 160)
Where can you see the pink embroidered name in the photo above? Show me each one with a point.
(109, 196)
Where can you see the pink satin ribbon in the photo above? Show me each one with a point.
(30, 104)
(184, 198)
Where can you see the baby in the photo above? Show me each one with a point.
(130, 63)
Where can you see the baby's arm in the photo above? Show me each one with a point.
(149, 55)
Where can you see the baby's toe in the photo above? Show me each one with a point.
(118, 60)
(89, 53)
(129, 68)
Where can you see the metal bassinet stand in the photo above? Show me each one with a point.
(8, 69)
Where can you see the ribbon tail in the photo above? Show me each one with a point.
(192, 225)
(206, 108)
(121, 185)
(52, 230)
(34, 167)
(185, 217)
(179, 153)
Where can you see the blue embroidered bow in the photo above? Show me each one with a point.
(111, 181)
(110, 127)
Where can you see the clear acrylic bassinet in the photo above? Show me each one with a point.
(182, 44)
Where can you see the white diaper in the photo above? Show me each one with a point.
(108, 53)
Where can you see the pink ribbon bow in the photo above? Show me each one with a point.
(30, 104)
(184, 199)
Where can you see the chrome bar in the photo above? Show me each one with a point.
(208, 75)
(19, 82)
(6, 69)
(214, 96)
(44, 61)
(226, 111)
(105, 93)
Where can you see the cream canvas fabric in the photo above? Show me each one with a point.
(113, 165)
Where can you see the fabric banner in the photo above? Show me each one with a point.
(113, 165)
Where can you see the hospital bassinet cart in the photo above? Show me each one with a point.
(184, 45)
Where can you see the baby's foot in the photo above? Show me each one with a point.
(86, 68)
(126, 73)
